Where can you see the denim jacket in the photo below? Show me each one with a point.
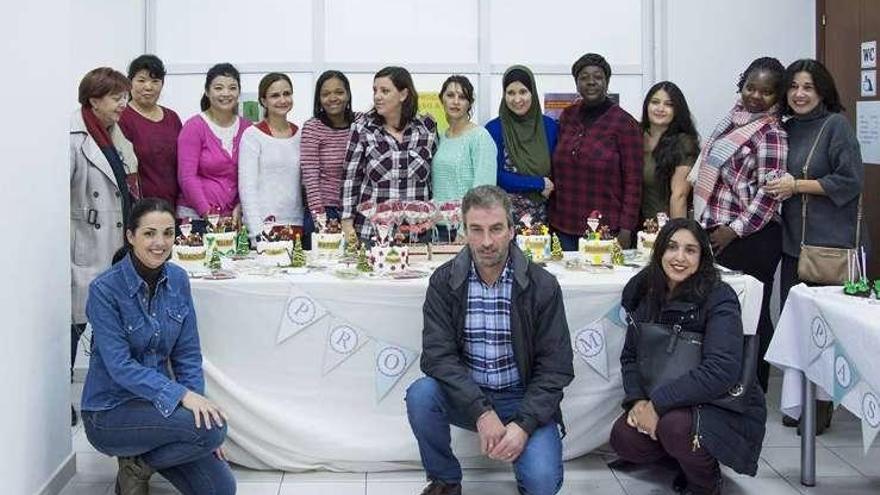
(138, 344)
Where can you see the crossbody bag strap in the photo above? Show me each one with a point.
(806, 174)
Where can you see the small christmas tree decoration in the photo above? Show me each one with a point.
(297, 256)
(617, 257)
(351, 245)
(363, 264)
(555, 248)
(242, 244)
(214, 261)
(528, 253)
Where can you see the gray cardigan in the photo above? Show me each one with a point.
(837, 165)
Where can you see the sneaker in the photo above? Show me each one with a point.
(133, 476)
(441, 488)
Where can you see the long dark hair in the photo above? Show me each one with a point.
(670, 151)
(222, 69)
(401, 79)
(696, 288)
(318, 109)
(823, 81)
(467, 89)
(138, 211)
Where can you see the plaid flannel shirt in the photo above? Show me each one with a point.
(738, 199)
(488, 342)
(596, 168)
(378, 168)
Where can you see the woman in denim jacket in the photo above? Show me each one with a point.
(143, 396)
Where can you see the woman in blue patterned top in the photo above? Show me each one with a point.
(143, 399)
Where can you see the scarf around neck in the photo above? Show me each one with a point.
(734, 130)
(524, 136)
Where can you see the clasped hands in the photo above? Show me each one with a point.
(781, 188)
(499, 441)
(643, 418)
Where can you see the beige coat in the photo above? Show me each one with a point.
(95, 236)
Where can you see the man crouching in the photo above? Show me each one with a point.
(497, 354)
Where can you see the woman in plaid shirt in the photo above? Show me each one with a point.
(747, 149)
(389, 150)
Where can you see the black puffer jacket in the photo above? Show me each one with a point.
(734, 439)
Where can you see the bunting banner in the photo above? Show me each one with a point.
(300, 312)
(392, 362)
(590, 345)
(845, 374)
(821, 337)
(870, 408)
(343, 341)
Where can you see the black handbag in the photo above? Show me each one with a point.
(666, 352)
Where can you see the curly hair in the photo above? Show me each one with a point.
(766, 64)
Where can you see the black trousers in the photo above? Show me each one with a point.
(758, 255)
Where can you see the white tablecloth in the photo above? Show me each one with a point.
(813, 318)
(286, 414)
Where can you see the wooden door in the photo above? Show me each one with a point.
(842, 26)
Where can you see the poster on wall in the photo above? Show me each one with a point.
(430, 104)
(868, 130)
(869, 54)
(249, 107)
(869, 83)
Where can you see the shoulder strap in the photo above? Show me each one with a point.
(804, 197)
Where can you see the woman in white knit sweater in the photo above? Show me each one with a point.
(269, 161)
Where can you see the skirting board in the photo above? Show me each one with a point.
(62, 476)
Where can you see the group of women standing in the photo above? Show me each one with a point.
(747, 186)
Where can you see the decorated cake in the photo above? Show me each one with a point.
(275, 243)
(533, 240)
(327, 242)
(596, 247)
(223, 233)
(389, 259)
(189, 249)
(646, 237)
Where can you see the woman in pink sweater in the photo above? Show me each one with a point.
(207, 151)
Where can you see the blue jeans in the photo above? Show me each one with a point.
(173, 446)
(538, 469)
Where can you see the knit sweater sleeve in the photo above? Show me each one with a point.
(189, 149)
(248, 179)
(847, 170)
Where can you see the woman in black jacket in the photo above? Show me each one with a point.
(681, 286)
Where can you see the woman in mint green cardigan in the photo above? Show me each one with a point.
(466, 154)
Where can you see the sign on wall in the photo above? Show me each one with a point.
(869, 54)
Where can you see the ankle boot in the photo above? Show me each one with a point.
(133, 476)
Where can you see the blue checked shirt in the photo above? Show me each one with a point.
(488, 345)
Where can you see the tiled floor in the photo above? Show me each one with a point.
(842, 469)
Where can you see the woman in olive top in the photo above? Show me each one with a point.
(671, 146)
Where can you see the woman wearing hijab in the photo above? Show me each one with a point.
(598, 163)
(103, 183)
(525, 140)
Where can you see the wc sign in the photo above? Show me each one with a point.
(869, 54)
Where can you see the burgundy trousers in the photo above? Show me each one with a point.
(674, 439)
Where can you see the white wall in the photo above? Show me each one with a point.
(35, 301)
(708, 44)
(104, 33)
